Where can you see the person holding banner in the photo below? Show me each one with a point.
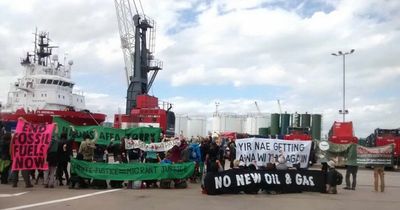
(15, 173)
(52, 159)
(351, 169)
(232, 152)
(5, 158)
(65, 154)
(88, 145)
(151, 157)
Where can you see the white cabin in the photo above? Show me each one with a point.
(46, 84)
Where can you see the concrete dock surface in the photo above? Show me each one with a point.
(60, 198)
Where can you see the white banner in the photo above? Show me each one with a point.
(260, 151)
(157, 147)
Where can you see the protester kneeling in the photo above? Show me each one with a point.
(334, 178)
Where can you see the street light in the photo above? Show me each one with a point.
(216, 108)
(343, 54)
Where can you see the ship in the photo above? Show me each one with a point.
(46, 90)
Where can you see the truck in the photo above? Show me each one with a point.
(298, 133)
(342, 133)
(382, 137)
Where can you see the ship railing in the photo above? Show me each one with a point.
(155, 64)
(164, 105)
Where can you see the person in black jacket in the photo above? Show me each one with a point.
(52, 160)
(5, 156)
(64, 156)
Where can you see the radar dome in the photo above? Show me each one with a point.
(55, 58)
(70, 62)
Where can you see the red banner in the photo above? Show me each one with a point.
(30, 144)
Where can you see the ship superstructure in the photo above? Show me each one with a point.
(46, 89)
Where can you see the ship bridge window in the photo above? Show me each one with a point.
(43, 81)
(49, 81)
(66, 84)
(55, 82)
(71, 85)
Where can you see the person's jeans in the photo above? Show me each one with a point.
(353, 171)
(25, 176)
(50, 176)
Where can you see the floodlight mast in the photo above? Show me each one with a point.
(344, 111)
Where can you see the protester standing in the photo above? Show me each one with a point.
(86, 149)
(88, 145)
(351, 169)
(5, 157)
(64, 153)
(379, 174)
(232, 152)
(52, 159)
(213, 154)
(151, 157)
(15, 173)
(185, 152)
(133, 157)
(166, 183)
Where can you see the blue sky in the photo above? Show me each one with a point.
(232, 52)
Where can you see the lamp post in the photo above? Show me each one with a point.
(216, 108)
(343, 54)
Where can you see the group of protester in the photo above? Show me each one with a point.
(58, 155)
(61, 150)
(208, 151)
(335, 178)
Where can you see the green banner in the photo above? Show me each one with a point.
(375, 155)
(343, 154)
(132, 171)
(106, 133)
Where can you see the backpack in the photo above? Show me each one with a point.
(339, 178)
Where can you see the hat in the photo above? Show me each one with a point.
(331, 164)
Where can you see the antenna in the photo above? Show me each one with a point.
(35, 46)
